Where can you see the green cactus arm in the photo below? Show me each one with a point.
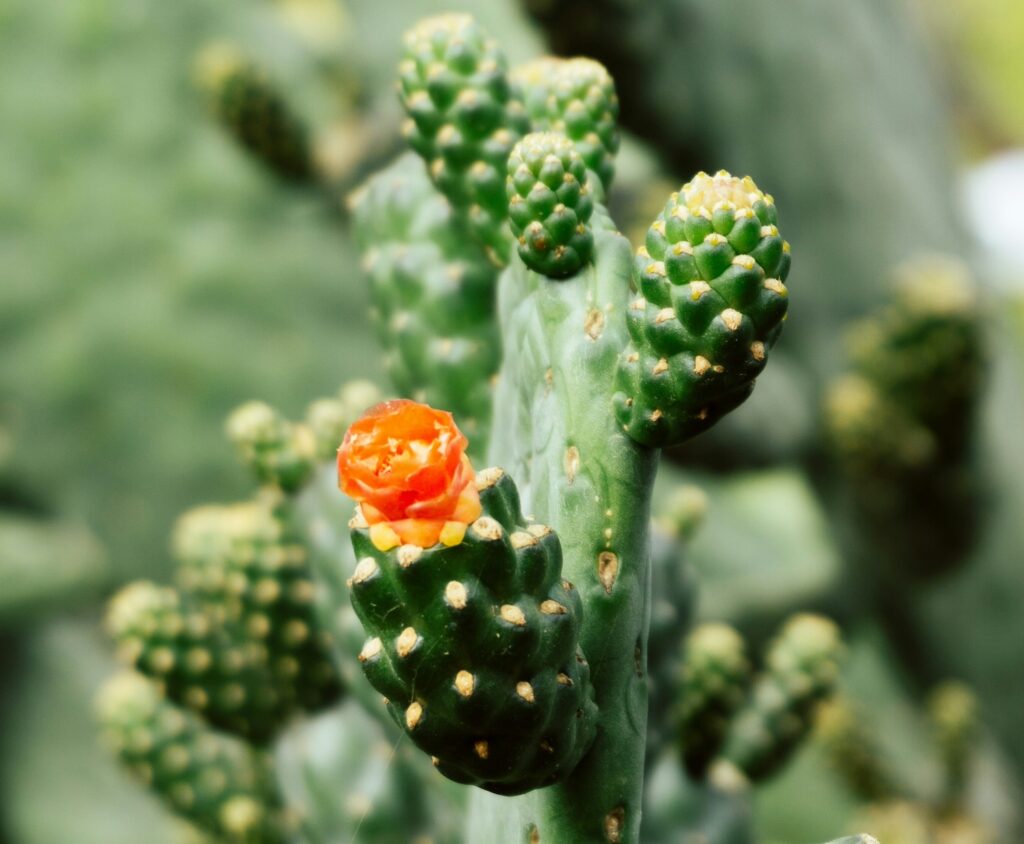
(255, 113)
(710, 305)
(576, 469)
(475, 646)
(219, 783)
(432, 290)
(463, 118)
(715, 676)
(801, 670)
(576, 98)
(854, 750)
(953, 713)
(549, 204)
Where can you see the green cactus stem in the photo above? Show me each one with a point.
(463, 118)
(255, 113)
(219, 783)
(475, 647)
(801, 671)
(715, 676)
(433, 295)
(575, 98)
(549, 205)
(710, 305)
(577, 471)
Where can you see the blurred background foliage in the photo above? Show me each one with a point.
(155, 277)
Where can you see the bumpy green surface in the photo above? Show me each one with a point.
(475, 647)
(953, 712)
(255, 113)
(241, 644)
(277, 451)
(433, 294)
(218, 782)
(711, 300)
(577, 98)
(549, 204)
(801, 670)
(463, 118)
(196, 660)
(715, 677)
(580, 473)
(248, 572)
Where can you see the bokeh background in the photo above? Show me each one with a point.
(153, 277)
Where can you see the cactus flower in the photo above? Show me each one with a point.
(406, 465)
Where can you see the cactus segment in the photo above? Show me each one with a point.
(219, 783)
(710, 305)
(715, 676)
(802, 666)
(197, 661)
(901, 423)
(854, 750)
(462, 118)
(575, 97)
(953, 712)
(255, 113)
(433, 295)
(549, 205)
(276, 450)
(247, 574)
(475, 647)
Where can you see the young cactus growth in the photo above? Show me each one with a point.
(716, 674)
(575, 98)
(549, 205)
(711, 303)
(254, 113)
(219, 783)
(473, 633)
(277, 451)
(801, 671)
(463, 118)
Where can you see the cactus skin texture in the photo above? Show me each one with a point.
(475, 647)
(575, 98)
(711, 303)
(854, 750)
(716, 673)
(432, 289)
(463, 118)
(277, 451)
(255, 114)
(219, 782)
(549, 205)
(801, 671)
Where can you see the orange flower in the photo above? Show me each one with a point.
(406, 465)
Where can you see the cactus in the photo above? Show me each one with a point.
(254, 112)
(902, 423)
(504, 616)
(578, 440)
(221, 783)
